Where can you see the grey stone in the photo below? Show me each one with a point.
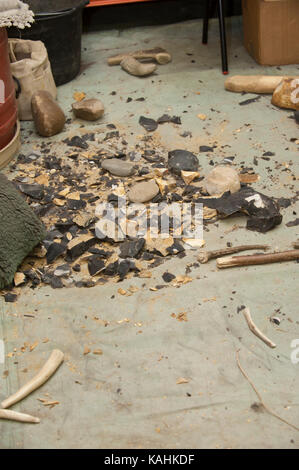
(143, 192)
(89, 110)
(222, 179)
(48, 117)
(118, 167)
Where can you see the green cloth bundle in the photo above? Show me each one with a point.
(20, 230)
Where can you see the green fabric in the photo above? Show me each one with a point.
(20, 230)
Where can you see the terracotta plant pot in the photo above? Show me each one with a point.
(8, 152)
(8, 104)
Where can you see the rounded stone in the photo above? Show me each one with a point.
(222, 179)
(285, 94)
(49, 119)
(143, 192)
(182, 160)
(89, 110)
(118, 167)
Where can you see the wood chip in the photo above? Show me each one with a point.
(209, 213)
(33, 346)
(180, 280)
(58, 202)
(182, 316)
(211, 299)
(42, 179)
(182, 380)
(194, 242)
(19, 279)
(145, 274)
(64, 192)
(166, 185)
(79, 95)
(97, 352)
(74, 196)
(248, 177)
(48, 403)
(189, 176)
(122, 291)
(161, 171)
(133, 289)
(125, 320)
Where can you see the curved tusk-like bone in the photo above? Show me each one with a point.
(43, 375)
(159, 54)
(255, 330)
(16, 416)
(133, 67)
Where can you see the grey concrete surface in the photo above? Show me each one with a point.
(129, 397)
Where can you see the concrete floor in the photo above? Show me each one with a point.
(129, 397)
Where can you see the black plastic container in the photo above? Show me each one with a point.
(58, 23)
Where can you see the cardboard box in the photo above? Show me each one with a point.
(271, 31)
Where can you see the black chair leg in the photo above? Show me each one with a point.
(209, 10)
(210, 7)
(222, 38)
(206, 23)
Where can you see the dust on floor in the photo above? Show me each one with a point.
(167, 376)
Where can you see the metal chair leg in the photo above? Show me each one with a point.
(210, 8)
(206, 23)
(222, 38)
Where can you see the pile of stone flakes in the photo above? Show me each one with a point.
(65, 192)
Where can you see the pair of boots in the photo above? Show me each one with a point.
(131, 62)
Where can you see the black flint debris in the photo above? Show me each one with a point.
(179, 160)
(263, 211)
(95, 265)
(54, 251)
(81, 247)
(168, 277)
(293, 223)
(166, 118)
(131, 249)
(149, 124)
(206, 148)
(35, 191)
(9, 297)
(251, 100)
